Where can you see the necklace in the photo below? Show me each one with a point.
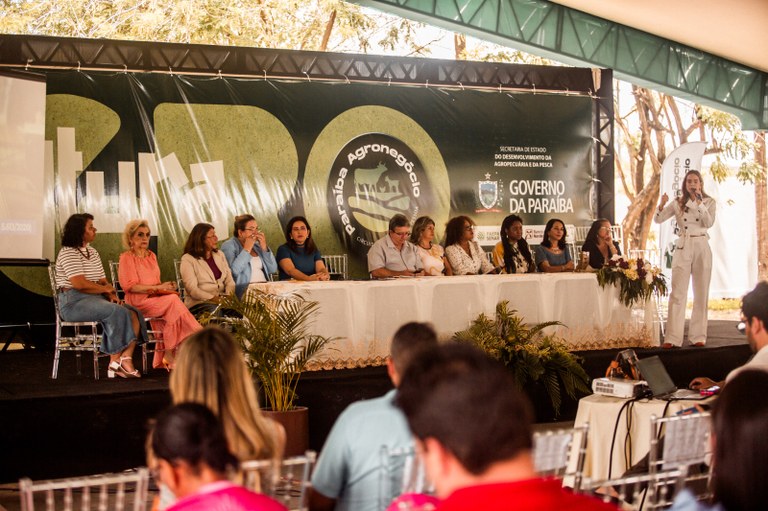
(429, 246)
(87, 253)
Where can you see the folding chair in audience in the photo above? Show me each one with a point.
(642, 492)
(682, 440)
(561, 453)
(401, 471)
(155, 341)
(285, 480)
(113, 492)
(77, 336)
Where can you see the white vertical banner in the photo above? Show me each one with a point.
(684, 158)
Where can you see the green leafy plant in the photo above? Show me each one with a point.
(636, 279)
(273, 332)
(528, 352)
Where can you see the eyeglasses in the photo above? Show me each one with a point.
(251, 229)
(402, 234)
(469, 227)
(605, 228)
(742, 325)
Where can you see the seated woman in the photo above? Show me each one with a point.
(432, 254)
(85, 295)
(299, 258)
(190, 457)
(600, 244)
(204, 271)
(463, 252)
(552, 256)
(139, 276)
(248, 254)
(211, 371)
(512, 254)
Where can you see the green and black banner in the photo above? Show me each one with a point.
(179, 150)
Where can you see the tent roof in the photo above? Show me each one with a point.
(736, 30)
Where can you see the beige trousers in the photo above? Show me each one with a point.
(692, 262)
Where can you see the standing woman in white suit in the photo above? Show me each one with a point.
(695, 214)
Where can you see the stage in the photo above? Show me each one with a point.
(76, 425)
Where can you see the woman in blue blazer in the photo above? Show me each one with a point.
(248, 255)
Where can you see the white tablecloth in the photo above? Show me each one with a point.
(601, 413)
(365, 314)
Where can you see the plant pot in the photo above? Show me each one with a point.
(296, 424)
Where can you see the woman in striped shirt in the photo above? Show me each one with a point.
(86, 295)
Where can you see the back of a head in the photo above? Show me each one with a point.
(410, 340)
(469, 403)
(210, 370)
(190, 432)
(740, 427)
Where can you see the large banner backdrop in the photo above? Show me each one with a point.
(179, 150)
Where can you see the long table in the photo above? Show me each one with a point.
(364, 315)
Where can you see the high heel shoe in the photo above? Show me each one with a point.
(116, 369)
(167, 365)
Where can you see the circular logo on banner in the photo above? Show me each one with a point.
(373, 178)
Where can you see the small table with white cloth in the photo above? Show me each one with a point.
(601, 413)
(364, 315)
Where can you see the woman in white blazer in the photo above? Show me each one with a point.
(204, 270)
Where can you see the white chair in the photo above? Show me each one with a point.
(561, 453)
(401, 471)
(580, 234)
(155, 337)
(647, 491)
(286, 480)
(337, 265)
(104, 492)
(77, 336)
(682, 441)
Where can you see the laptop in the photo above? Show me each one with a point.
(652, 370)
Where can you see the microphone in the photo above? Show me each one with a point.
(698, 196)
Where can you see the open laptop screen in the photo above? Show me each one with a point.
(653, 371)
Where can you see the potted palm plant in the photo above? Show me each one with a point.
(531, 355)
(274, 333)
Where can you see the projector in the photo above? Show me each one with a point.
(618, 387)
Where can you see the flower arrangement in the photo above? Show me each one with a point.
(529, 353)
(636, 279)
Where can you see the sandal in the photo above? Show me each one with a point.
(129, 374)
(116, 369)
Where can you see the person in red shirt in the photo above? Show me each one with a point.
(473, 432)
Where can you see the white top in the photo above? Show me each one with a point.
(464, 264)
(692, 220)
(72, 262)
(432, 259)
(257, 271)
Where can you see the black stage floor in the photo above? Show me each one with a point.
(75, 425)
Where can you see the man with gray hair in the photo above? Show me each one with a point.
(393, 255)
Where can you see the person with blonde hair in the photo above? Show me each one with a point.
(139, 276)
(210, 370)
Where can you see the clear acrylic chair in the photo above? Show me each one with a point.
(561, 453)
(682, 441)
(154, 343)
(647, 491)
(77, 336)
(103, 492)
(337, 265)
(285, 480)
(179, 280)
(401, 471)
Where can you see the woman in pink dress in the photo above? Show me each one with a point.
(139, 276)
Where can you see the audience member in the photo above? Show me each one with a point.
(599, 243)
(754, 312)
(299, 258)
(393, 255)
(740, 449)
(347, 473)
(463, 252)
(248, 254)
(85, 295)
(204, 271)
(190, 457)
(512, 254)
(473, 431)
(139, 276)
(210, 370)
(433, 258)
(553, 256)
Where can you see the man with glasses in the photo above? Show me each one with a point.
(754, 314)
(393, 255)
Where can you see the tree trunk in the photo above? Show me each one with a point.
(459, 45)
(761, 208)
(328, 30)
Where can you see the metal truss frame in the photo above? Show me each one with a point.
(573, 37)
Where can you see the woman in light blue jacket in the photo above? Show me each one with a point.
(248, 255)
